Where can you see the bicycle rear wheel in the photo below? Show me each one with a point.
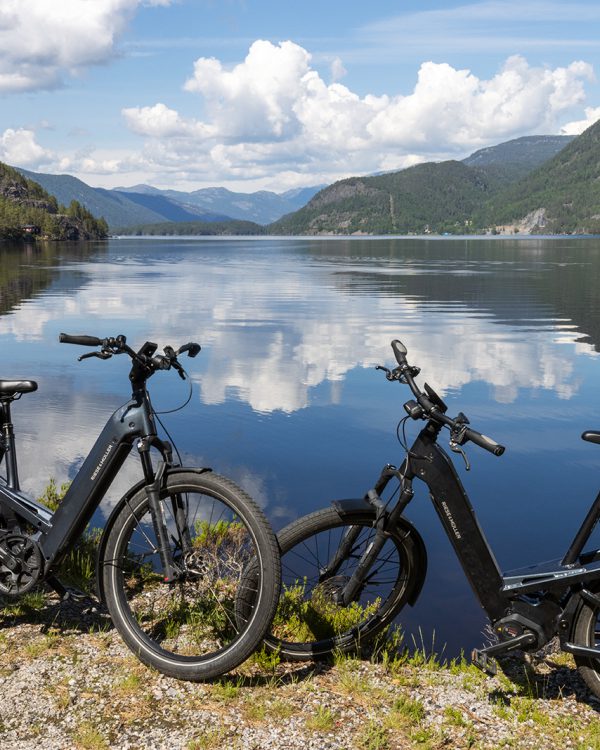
(587, 633)
(187, 629)
(309, 624)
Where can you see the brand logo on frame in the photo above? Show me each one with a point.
(102, 462)
(452, 521)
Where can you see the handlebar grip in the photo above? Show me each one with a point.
(81, 340)
(483, 441)
(400, 351)
(191, 348)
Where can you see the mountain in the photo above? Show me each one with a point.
(503, 186)
(424, 198)
(115, 209)
(519, 156)
(561, 196)
(262, 207)
(27, 210)
(167, 209)
(143, 204)
(433, 197)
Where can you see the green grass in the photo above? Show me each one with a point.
(373, 737)
(308, 616)
(87, 737)
(323, 720)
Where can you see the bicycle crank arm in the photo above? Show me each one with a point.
(577, 650)
(484, 658)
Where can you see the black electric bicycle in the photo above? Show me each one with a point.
(173, 551)
(347, 570)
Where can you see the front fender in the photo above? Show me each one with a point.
(131, 492)
(414, 541)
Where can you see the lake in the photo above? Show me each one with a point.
(286, 400)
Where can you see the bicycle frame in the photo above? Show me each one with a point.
(59, 530)
(527, 607)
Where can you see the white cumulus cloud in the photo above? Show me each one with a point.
(274, 114)
(457, 109)
(160, 121)
(41, 42)
(19, 148)
(272, 120)
(592, 115)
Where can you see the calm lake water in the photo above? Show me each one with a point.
(286, 400)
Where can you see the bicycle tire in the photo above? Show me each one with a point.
(187, 629)
(586, 632)
(307, 605)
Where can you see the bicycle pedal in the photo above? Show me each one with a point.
(484, 662)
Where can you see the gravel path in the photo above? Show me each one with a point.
(77, 686)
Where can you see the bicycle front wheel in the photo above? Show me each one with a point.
(310, 623)
(187, 629)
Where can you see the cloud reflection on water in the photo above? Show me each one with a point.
(275, 326)
(272, 332)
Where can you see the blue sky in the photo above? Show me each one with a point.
(262, 94)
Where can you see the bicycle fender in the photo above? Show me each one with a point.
(352, 506)
(131, 492)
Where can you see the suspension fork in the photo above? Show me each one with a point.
(171, 571)
(383, 519)
(180, 514)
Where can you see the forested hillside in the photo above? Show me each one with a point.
(536, 183)
(27, 210)
(564, 193)
(426, 198)
(191, 228)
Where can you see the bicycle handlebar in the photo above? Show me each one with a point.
(483, 441)
(400, 351)
(81, 340)
(145, 362)
(430, 410)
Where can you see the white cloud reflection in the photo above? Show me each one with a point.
(270, 337)
(274, 332)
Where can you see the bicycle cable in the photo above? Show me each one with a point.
(172, 411)
(185, 403)
(402, 440)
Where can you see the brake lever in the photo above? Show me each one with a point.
(457, 448)
(389, 374)
(100, 355)
(180, 371)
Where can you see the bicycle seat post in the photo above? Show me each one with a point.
(7, 445)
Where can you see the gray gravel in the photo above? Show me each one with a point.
(68, 685)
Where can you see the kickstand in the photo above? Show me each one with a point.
(57, 586)
(70, 594)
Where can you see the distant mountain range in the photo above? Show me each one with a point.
(435, 197)
(533, 184)
(262, 207)
(143, 204)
